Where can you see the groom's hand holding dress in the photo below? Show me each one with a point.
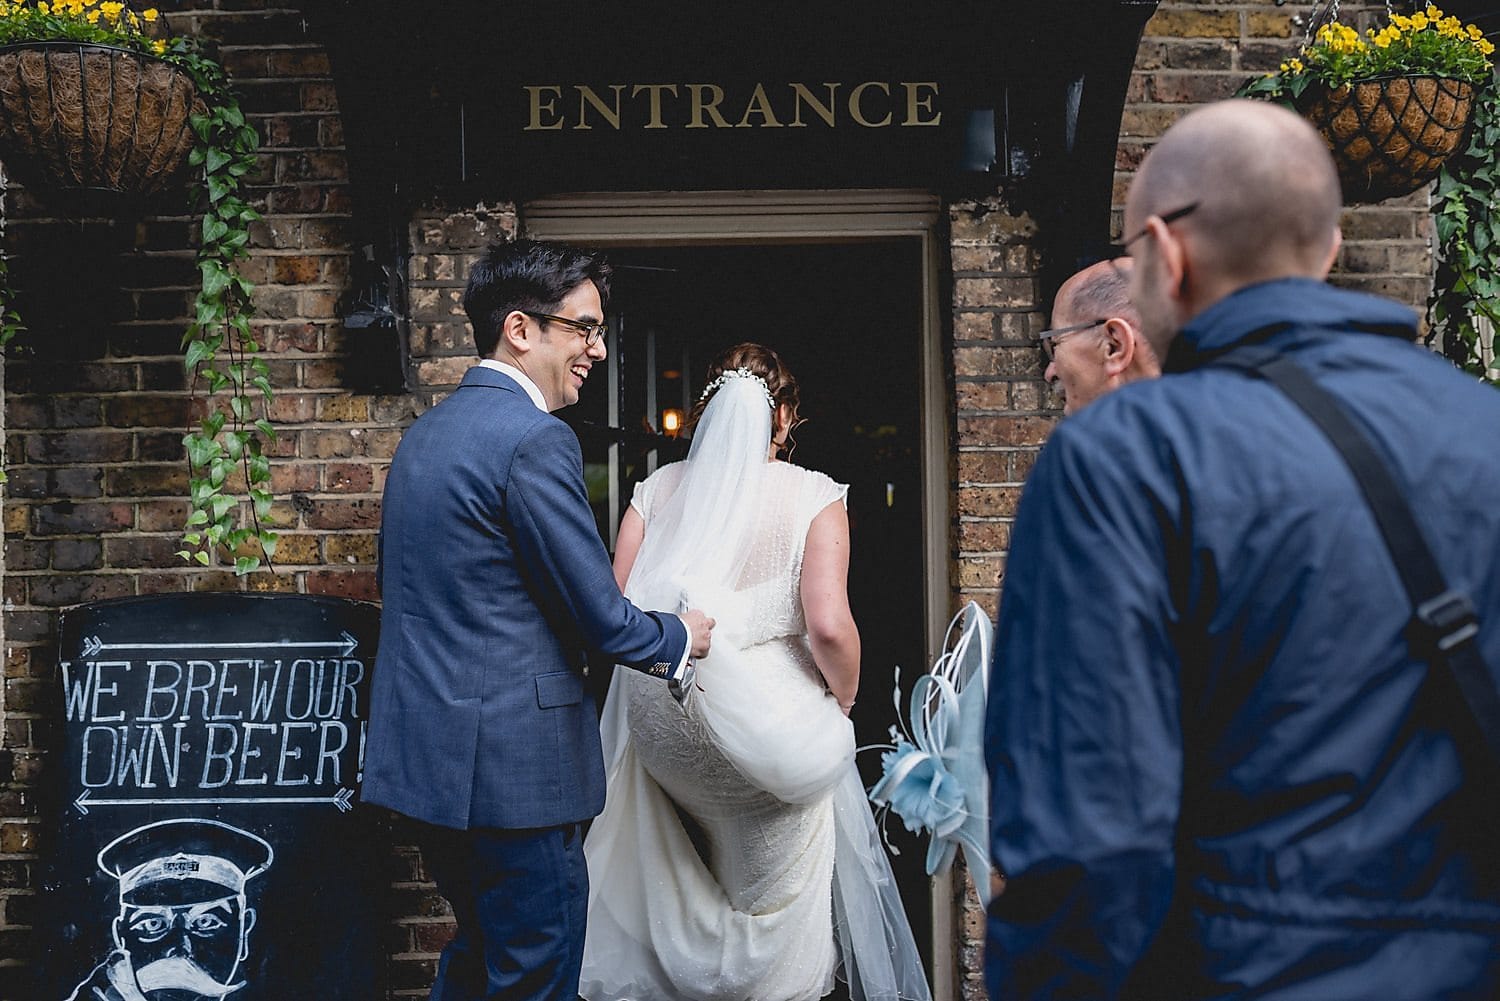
(700, 629)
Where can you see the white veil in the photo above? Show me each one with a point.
(697, 554)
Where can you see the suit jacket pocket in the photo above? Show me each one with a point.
(563, 688)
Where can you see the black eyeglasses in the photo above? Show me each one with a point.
(1050, 337)
(1122, 248)
(591, 331)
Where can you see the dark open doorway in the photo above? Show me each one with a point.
(847, 318)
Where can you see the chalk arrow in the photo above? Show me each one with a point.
(343, 800)
(345, 645)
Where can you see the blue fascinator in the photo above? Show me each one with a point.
(935, 779)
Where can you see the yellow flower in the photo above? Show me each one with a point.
(158, 46)
(42, 7)
(1418, 21)
(1474, 33)
(92, 17)
(1433, 14)
(150, 14)
(1486, 46)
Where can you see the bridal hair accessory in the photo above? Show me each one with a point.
(738, 373)
(935, 779)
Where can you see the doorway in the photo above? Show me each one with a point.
(852, 314)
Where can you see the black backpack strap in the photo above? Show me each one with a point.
(1444, 626)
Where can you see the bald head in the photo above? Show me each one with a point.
(1267, 192)
(1100, 347)
(1100, 291)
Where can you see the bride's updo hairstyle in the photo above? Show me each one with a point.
(760, 360)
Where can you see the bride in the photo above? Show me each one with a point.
(736, 858)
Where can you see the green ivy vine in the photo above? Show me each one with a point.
(1466, 213)
(225, 451)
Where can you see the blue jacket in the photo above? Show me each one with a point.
(495, 584)
(1211, 777)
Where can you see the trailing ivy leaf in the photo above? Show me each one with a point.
(246, 564)
(201, 451)
(197, 353)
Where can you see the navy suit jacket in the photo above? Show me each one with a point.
(495, 587)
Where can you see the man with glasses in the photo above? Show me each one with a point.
(496, 588)
(1095, 343)
(1228, 755)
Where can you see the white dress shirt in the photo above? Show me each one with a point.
(521, 377)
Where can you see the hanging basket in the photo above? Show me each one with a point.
(1390, 137)
(95, 118)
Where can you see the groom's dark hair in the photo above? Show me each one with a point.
(526, 275)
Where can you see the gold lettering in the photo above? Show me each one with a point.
(800, 93)
(857, 112)
(655, 89)
(701, 106)
(587, 96)
(913, 103)
(537, 107)
(759, 104)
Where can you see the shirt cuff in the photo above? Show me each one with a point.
(680, 671)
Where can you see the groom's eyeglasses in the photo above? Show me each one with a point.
(591, 331)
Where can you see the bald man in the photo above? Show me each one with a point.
(1095, 343)
(1222, 765)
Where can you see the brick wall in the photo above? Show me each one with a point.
(96, 404)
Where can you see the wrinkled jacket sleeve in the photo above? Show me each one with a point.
(558, 544)
(1083, 737)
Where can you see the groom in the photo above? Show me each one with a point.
(496, 587)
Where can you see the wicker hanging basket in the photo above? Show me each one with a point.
(95, 118)
(1390, 137)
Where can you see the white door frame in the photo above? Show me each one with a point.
(724, 218)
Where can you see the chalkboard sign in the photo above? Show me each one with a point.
(207, 844)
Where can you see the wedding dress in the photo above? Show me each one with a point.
(736, 858)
